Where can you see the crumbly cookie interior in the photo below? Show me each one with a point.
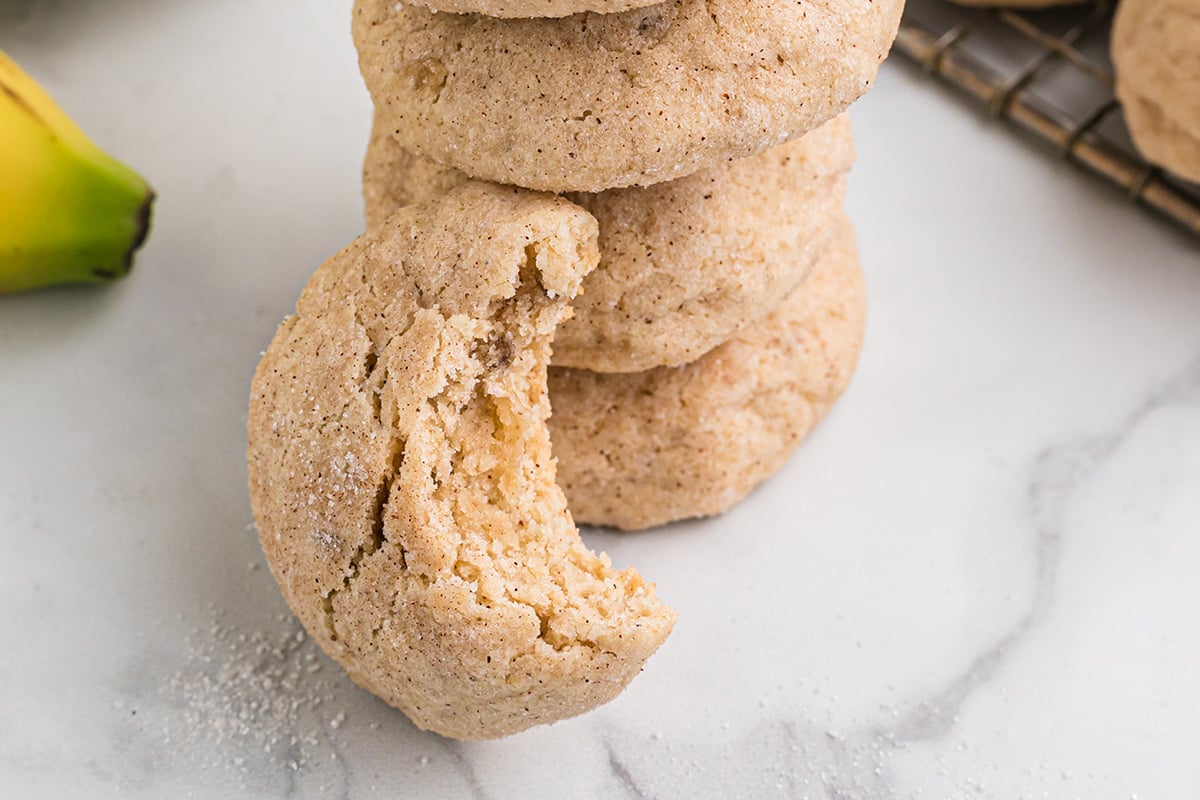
(477, 461)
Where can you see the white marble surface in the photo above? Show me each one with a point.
(979, 579)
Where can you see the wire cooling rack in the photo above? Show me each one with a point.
(1047, 72)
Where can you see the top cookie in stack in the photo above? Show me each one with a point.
(598, 101)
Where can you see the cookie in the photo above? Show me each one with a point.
(600, 101)
(684, 264)
(534, 8)
(402, 479)
(1156, 55)
(643, 449)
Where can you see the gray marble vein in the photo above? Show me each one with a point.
(625, 779)
(1057, 475)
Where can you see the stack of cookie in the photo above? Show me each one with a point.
(400, 461)
(707, 139)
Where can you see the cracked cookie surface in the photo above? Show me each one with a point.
(1156, 57)
(402, 480)
(642, 449)
(683, 264)
(600, 101)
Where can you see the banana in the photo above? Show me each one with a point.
(69, 212)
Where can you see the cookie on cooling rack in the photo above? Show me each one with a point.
(593, 102)
(1156, 55)
(402, 480)
(643, 449)
(684, 264)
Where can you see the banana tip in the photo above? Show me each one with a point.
(142, 232)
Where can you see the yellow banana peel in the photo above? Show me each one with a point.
(69, 212)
